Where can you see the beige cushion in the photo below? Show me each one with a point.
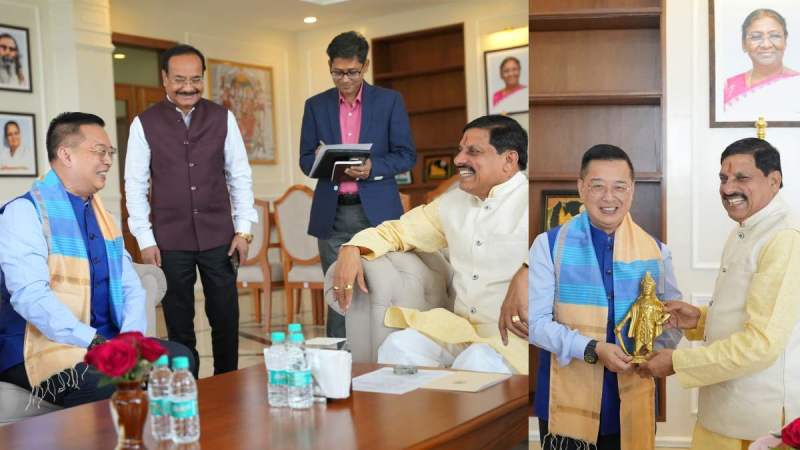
(306, 274)
(155, 286)
(292, 218)
(422, 281)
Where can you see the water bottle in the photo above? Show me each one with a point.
(183, 407)
(158, 395)
(295, 328)
(299, 374)
(276, 364)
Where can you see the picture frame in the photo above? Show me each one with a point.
(15, 59)
(18, 150)
(506, 88)
(247, 91)
(438, 167)
(404, 178)
(558, 207)
(751, 74)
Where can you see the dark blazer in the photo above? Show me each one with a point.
(384, 123)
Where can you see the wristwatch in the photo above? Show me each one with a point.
(590, 354)
(246, 236)
(97, 340)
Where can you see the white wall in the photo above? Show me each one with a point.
(480, 18)
(697, 225)
(71, 71)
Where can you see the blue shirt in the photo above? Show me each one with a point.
(25, 280)
(565, 343)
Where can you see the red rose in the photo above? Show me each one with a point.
(151, 349)
(133, 337)
(791, 434)
(113, 358)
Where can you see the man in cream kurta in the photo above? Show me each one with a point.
(484, 226)
(748, 370)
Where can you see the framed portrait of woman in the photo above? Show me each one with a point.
(754, 62)
(507, 80)
(18, 146)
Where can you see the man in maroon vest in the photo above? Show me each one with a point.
(201, 202)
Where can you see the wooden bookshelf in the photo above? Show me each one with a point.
(427, 68)
(597, 74)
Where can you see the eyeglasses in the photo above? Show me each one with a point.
(758, 38)
(7, 48)
(617, 190)
(351, 74)
(180, 81)
(102, 151)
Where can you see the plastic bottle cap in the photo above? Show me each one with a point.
(297, 337)
(295, 328)
(162, 360)
(278, 337)
(180, 362)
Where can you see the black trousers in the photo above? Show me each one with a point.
(350, 219)
(222, 302)
(87, 391)
(608, 442)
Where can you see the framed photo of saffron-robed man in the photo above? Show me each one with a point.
(246, 90)
(507, 80)
(15, 59)
(754, 63)
(18, 147)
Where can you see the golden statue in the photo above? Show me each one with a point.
(761, 128)
(647, 318)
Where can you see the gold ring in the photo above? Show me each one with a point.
(348, 287)
(515, 319)
(336, 288)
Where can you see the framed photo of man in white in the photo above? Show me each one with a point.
(15, 59)
(754, 62)
(18, 147)
(507, 80)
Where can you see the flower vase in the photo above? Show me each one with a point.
(129, 412)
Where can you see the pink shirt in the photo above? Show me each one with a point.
(350, 124)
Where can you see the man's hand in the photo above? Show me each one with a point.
(360, 172)
(659, 365)
(239, 244)
(682, 315)
(151, 255)
(348, 271)
(612, 357)
(514, 312)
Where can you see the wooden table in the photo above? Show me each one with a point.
(234, 414)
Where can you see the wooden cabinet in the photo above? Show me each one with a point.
(427, 68)
(597, 78)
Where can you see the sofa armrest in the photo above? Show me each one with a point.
(421, 281)
(155, 286)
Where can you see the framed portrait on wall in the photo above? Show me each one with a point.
(559, 207)
(507, 80)
(754, 63)
(438, 167)
(15, 59)
(246, 90)
(18, 149)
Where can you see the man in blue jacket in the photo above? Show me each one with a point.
(354, 112)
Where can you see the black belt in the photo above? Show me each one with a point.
(349, 199)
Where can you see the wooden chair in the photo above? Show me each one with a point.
(444, 186)
(405, 199)
(299, 251)
(256, 272)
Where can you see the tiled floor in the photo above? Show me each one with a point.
(253, 336)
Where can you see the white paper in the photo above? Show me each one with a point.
(331, 369)
(384, 381)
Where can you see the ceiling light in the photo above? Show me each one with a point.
(310, 19)
(324, 2)
(119, 56)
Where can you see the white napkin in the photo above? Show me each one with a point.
(332, 369)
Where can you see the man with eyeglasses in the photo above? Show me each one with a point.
(11, 73)
(354, 112)
(66, 281)
(585, 275)
(191, 152)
